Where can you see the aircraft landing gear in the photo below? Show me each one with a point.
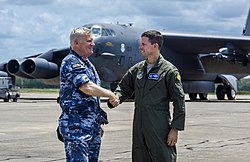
(222, 90)
(193, 96)
(203, 96)
(231, 94)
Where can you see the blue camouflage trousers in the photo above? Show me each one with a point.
(82, 145)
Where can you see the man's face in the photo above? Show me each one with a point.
(146, 47)
(85, 45)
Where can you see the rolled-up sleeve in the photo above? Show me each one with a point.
(80, 79)
(77, 74)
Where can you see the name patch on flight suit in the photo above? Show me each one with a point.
(153, 76)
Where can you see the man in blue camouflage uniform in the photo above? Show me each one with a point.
(79, 99)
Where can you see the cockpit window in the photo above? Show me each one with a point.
(112, 32)
(105, 32)
(108, 32)
(98, 31)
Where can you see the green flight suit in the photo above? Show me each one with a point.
(152, 122)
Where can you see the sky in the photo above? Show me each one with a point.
(29, 27)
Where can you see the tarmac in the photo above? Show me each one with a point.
(216, 131)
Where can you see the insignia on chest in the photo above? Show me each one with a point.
(140, 75)
(76, 66)
(153, 76)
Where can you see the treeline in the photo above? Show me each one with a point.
(243, 84)
(36, 83)
(32, 83)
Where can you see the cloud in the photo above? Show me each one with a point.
(26, 2)
(29, 27)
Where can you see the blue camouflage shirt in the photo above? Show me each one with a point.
(77, 107)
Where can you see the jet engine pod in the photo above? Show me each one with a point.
(13, 67)
(3, 74)
(3, 66)
(40, 68)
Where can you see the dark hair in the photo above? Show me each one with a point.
(154, 36)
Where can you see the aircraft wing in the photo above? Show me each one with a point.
(200, 44)
(216, 54)
(40, 66)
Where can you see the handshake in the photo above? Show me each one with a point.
(113, 101)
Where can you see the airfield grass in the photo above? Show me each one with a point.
(243, 92)
(37, 90)
(56, 90)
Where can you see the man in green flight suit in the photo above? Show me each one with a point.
(154, 82)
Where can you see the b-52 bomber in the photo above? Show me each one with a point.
(207, 63)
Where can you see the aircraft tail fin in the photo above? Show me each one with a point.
(246, 30)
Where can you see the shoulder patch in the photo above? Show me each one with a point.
(178, 76)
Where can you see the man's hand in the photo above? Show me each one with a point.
(114, 101)
(172, 137)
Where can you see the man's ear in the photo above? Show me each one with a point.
(156, 45)
(76, 42)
